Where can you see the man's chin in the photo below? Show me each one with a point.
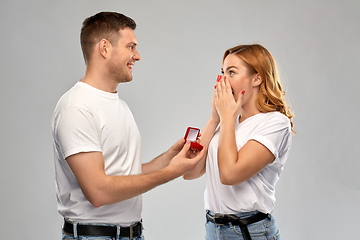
(127, 79)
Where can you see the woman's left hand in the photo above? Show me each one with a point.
(226, 105)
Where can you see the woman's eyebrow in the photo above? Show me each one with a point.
(229, 68)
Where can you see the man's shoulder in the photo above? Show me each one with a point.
(75, 96)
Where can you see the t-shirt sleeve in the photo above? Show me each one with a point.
(274, 134)
(76, 131)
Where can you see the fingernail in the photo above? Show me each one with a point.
(215, 87)
(242, 92)
(224, 77)
(218, 78)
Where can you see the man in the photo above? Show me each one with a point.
(99, 175)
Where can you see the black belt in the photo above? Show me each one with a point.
(225, 219)
(98, 230)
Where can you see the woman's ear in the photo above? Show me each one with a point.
(257, 80)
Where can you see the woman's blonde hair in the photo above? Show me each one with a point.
(271, 94)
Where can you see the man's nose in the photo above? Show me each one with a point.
(136, 56)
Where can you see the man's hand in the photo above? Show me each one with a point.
(176, 148)
(185, 160)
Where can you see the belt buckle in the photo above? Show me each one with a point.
(217, 219)
(131, 232)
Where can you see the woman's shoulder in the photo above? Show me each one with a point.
(276, 117)
(261, 120)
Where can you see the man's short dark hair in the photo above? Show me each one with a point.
(103, 25)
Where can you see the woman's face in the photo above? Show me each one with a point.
(237, 72)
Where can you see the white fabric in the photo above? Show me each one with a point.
(85, 120)
(273, 130)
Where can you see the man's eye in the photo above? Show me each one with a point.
(131, 48)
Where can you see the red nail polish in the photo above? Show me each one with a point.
(224, 77)
(242, 92)
(215, 87)
(218, 78)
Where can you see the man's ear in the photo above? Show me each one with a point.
(104, 46)
(257, 80)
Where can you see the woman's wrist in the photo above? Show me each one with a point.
(227, 120)
(214, 120)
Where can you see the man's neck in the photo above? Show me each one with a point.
(100, 82)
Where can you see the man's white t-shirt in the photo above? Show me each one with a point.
(87, 119)
(273, 130)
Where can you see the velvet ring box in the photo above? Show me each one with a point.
(192, 135)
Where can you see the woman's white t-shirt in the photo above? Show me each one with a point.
(273, 130)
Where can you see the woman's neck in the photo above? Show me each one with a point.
(248, 111)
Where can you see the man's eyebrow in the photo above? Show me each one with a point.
(131, 44)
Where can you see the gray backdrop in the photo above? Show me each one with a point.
(316, 45)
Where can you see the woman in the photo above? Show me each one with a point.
(246, 154)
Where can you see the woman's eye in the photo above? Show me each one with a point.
(231, 72)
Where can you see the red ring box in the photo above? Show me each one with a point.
(192, 135)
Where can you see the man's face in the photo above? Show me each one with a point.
(123, 56)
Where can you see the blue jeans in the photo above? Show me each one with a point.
(262, 230)
(83, 237)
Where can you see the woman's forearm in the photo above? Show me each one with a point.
(206, 136)
(227, 151)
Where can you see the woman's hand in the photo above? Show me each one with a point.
(226, 105)
(214, 114)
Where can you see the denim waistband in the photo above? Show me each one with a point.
(240, 215)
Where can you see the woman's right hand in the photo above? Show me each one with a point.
(226, 105)
(214, 113)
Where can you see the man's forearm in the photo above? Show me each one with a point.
(157, 163)
(164, 159)
(120, 188)
(101, 189)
